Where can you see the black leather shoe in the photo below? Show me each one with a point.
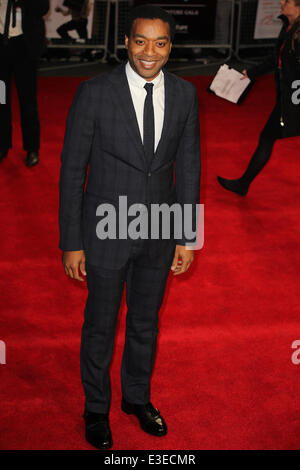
(150, 419)
(235, 186)
(3, 154)
(97, 430)
(32, 159)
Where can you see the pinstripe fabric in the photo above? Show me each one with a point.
(145, 287)
(102, 132)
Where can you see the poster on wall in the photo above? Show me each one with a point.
(267, 24)
(60, 15)
(195, 19)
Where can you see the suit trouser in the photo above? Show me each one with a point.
(15, 62)
(270, 133)
(145, 287)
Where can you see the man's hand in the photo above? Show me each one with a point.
(74, 262)
(183, 258)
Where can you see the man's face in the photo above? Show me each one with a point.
(149, 46)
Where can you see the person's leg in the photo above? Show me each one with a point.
(145, 288)
(64, 28)
(261, 156)
(5, 107)
(25, 72)
(81, 28)
(105, 289)
(270, 133)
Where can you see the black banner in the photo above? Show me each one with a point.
(195, 19)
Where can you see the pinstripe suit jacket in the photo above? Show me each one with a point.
(103, 157)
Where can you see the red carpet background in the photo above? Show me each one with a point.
(223, 378)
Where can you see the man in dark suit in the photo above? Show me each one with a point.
(130, 125)
(22, 41)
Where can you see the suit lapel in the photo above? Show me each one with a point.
(123, 99)
(170, 98)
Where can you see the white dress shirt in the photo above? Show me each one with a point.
(138, 94)
(17, 31)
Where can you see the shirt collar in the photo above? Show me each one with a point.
(136, 80)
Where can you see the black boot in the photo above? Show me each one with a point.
(32, 159)
(237, 186)
(258, 160)
(3, 154)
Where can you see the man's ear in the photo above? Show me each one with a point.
(126, 42)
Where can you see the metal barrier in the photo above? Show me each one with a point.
(245, 29)
(100, 32)
(122, 7)
(243, 23)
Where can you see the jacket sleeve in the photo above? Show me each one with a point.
(35, 7)
(187, 170)
(268, 65)
(74, 162)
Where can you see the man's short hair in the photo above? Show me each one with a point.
(150, 12)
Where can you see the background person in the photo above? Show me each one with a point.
(22, 41)
(78, 22)
(284, 120)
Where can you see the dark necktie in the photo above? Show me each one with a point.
(149, 123)
(11, 7)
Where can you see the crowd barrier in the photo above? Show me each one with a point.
(236, 18)
(246, 18)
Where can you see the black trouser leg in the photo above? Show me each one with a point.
(25, 72)
(145, 286)
(5, 109)
(144, 294)
(64, 28)
(81, 28)
(74, 25)
(105, 288)
(270, 133)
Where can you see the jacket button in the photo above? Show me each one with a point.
(149, 174)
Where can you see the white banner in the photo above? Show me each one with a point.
(55, 19)
(267, 24)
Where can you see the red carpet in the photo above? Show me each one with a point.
(223, 377)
